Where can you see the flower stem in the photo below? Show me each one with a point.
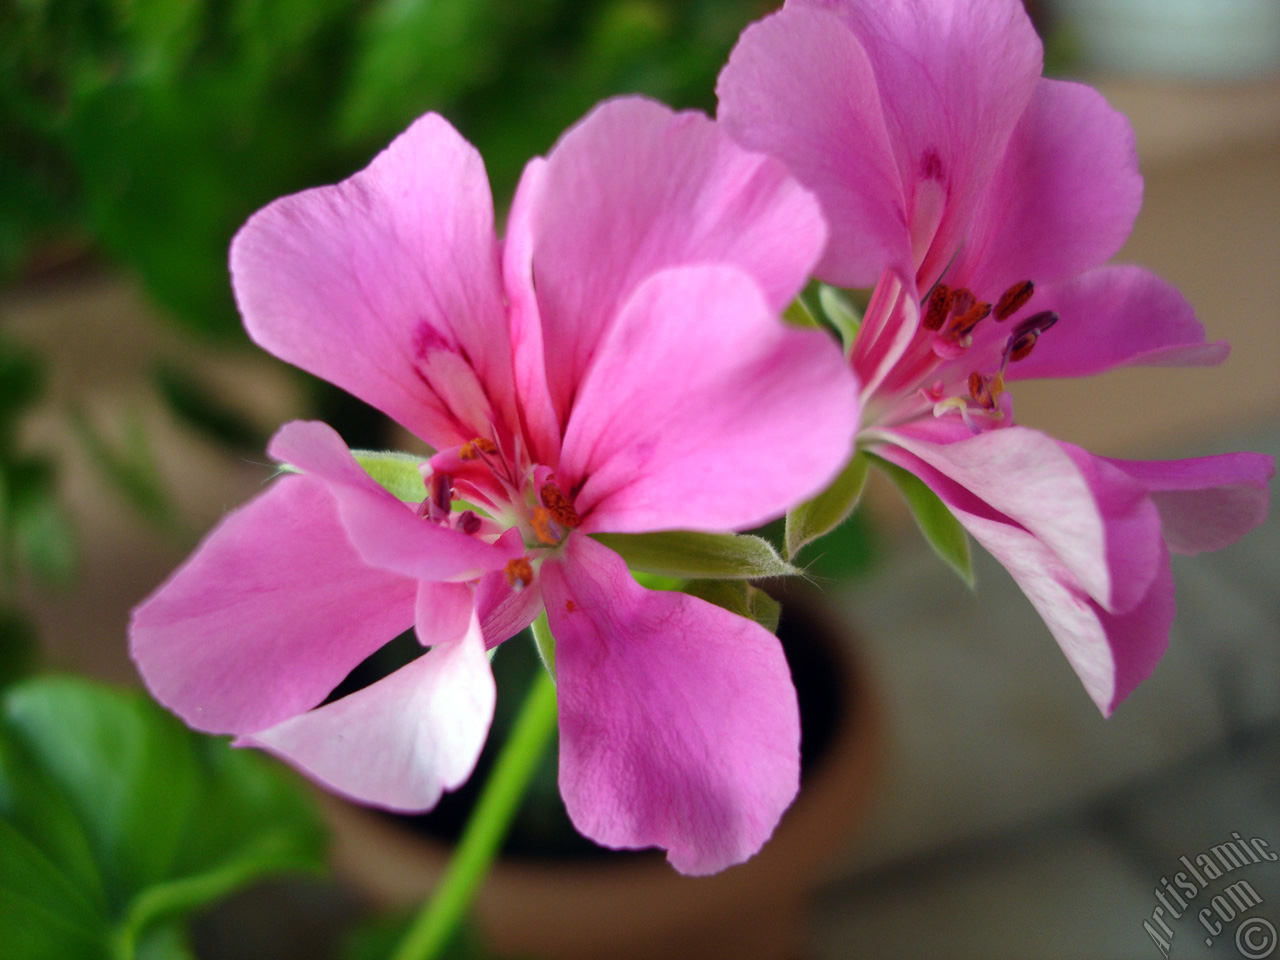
(438, 920)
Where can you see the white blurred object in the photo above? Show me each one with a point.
(1201, 39)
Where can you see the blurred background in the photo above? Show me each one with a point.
(1001, 816)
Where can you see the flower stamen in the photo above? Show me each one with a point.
(937, 307)
(559, 506)
(1024, 336)
(519, 573)
(439, 498)
(963, 324)
(474, 449)
(1013, 300)
(543, 527)
(985, 390)
(962, 301)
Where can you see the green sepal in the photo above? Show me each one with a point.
(657, 581)
(740, 597)
(941, 529)
(841, 313)
(697, 556)
(798, 314)
(544, 642)
(830, 508)
(397, 473)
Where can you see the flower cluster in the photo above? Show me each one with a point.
(618, 364)
(982, 201)
(615, 365)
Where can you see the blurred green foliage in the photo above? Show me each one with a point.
(129, 468)
(153, 128)
(36, 540)
(116, 822)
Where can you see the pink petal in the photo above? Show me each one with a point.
(386, 532)
(702, 411)
(268, 615)
(635, 188)
(388, 285)
(1063, 199)
(505, 611)
(954, 77)
(1111, 653)
(799, 86)
(403, 741)
(1093, 517)
(678, 722)
(1206, 503)
(541, 424)
(1113, 317)
(443, 612)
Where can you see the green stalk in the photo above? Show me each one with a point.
(437, 922)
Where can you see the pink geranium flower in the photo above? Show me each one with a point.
(616, 365)
(981, 201)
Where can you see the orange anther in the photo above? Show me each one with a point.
(541, 523)
(937, 307)
(975, 385)
(560, 506)
(519, 573)
(962, 301)
(1024, 336)
(1014, 299)
(985, 391)
(472, 449)
(1022, 345)
(962, 324)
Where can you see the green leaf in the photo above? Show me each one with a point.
(843, 315)
(116, 821)
(681, 553)
(398, 473)
(826, 511)
(948, 538)
(741, 598)
(798, 314)
(42, 914)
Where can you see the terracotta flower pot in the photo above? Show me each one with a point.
(635, 906)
